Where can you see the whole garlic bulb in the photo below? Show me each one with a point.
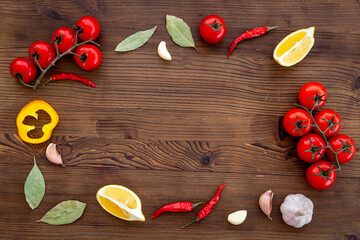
(297, 210)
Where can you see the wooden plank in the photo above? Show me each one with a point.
(151, 113)
(259, 158)
(242, 192)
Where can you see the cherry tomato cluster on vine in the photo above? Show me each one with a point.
(312, 147)
(42, 54)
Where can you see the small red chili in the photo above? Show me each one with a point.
(208, 208)
(176, 207)
(71, 76)
(250, 34)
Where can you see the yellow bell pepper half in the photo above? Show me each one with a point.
(31, 109)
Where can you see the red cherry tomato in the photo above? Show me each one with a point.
(344, 145)
(310, 148)
(212, 29)
(321, 175)
(328, 120)
(64, 38)
(89, 28)
(23, 69)
(90, 57)
(297, 122)
(43, 52)
(311, 94)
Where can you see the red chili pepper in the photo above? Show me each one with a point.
(176, 207)
(250, 34)
(208, 208)
(71, 76)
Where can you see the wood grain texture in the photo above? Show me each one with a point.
(174, 131)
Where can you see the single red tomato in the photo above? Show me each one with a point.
(43, 52)
(321, 175)
(344, 145)
(297, 122)
(23, 69)
(212, 29)
(310, 148)
(312, 95)
(328, 120)
(89, 28)
(90, 56)
(64, 38)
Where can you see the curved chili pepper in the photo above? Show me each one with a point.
(30, 109)
(176, 207)
(250, 34)
(208, 208)
(71, 76)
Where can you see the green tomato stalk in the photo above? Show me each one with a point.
(316, 103)
(58, 56)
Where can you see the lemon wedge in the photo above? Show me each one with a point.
(120, 202)
(294, 47)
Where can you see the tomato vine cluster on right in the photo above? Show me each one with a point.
(324, 142)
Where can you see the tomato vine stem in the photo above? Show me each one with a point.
(322, 133)
(58, 56)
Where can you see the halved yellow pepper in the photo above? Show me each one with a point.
(30, 109)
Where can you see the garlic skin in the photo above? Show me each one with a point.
(238, 217)
(297, 210)
(265, 202)
(163, 52)
(52, 154)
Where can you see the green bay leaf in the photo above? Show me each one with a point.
(135, 41)
(65, 212)
(179, 31)
(34, 187)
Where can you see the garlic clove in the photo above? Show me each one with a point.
(163, 52)
(238, 217)
(265, 202)
(53, 155)
(297, 210)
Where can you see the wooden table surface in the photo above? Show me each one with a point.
(174, 131)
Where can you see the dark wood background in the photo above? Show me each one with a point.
(173, 131)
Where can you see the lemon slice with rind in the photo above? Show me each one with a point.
(294, 47)
(120, 202)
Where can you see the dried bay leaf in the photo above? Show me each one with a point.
(34, 187)
(179, 31)
(65, 212)
(135, 41)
